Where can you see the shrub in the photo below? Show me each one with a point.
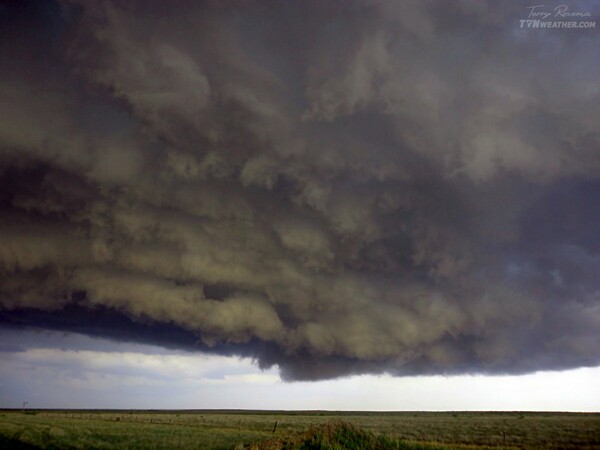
(329, 436)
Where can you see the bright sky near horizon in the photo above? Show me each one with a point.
(300, 204)
(112, 375)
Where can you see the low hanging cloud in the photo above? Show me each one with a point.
(330, 188)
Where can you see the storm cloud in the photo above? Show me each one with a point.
(327, 187)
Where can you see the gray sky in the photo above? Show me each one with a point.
(43, 369)
(330, 192)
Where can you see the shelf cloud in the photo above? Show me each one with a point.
(328, 187)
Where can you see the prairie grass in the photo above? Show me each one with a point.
(53, 429)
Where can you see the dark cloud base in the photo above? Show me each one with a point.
(332, 188)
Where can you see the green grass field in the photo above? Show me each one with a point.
(52, 429)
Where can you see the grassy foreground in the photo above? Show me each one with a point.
(52, 429)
